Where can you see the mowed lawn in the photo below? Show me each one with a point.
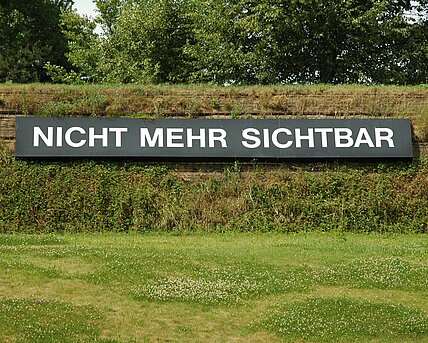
(305, 287)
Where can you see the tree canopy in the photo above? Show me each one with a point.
(219, 41)
(30, 36)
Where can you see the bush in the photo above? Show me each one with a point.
(124, 196)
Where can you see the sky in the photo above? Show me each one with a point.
(85, 7)
(88, 7)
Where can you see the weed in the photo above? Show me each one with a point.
(385, 273)
(41, 320)
(235, 112)
(159, 107)
(215, 103)
(193, 108)
(345, 319)
(86, 105)
(156, 100)
(24, 101)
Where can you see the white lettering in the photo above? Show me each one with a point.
(246, 134)
(59, 136)
(343, 134)
(266, 142)
(300, 138)
(379, 137)
(212, 137)
(38, 133)
(68, 134)
(188, 137)
(157, 138)
(118, 134)
(103, 136)
(363, 137)
(200, 138)
(275, 138)
(324, 142)
(173, 134)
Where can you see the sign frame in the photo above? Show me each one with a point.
(202, 139)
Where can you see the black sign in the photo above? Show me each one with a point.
(213, 139)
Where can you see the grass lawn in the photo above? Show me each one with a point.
(307, 287)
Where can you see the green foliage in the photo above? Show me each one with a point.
(147, 43)
(83, 51)
(30, 36)
(233, 42)
(109, 11)
(308, 41)
(97, 196)
(223, 49)
(59, 74)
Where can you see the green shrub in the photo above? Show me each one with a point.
(120, 196)
(85, 105)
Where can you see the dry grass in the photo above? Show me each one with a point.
(206, 100)
(213, 101)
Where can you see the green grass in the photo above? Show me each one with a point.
(347, 319)
(41, 320)
(310, 287)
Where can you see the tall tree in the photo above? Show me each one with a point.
(225, 41)
(146, 42)
(246, 41)
(346, 41)
(328, 41)
(29, 37)
(84, 47)
(109, 11)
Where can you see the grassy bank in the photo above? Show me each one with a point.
(118, 196)
(315, 287)
(206, 100)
